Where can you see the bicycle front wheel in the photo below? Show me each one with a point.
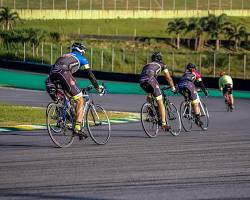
(186, 116)
(149, 120)
(59, 125)
(173, 119)
(98, 124)
(204, 118)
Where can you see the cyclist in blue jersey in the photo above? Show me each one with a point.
(62, 73)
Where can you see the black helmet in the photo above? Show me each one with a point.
(78, 47)
(190, 66)
(156, 56)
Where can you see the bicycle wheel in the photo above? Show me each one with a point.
(204, 118)
(98, 124)
(149, 120)
(186, 116)
(173, 119)
(59, 125)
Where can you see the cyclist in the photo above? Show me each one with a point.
(62, 72)
(226, 86)
(186, 87)
(150, 85)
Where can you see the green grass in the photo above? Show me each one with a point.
(129, 56)
(122, 4)
(18, 115)
(12, 115)
(143, 27)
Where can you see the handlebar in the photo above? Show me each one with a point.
(88, 88)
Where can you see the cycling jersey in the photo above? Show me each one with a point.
(148, 77)
(70, 62)
(191, 76)
(225, 80)
(152, 69)
(186, 84)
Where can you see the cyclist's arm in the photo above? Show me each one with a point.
(220, 84)
(168, 78)
(85, 65)
(92, 78)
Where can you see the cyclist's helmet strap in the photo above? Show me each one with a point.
(190, 66)
(77, 46)
(156, 57)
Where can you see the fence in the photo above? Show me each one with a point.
(114, 59)
(127, 4)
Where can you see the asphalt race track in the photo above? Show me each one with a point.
(198, 165)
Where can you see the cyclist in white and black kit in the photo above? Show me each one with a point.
(148, 82)
(62, 72)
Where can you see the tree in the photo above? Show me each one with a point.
(236, 33)
(177, 26)
(8, 18)
(199, 27)
(215, 26)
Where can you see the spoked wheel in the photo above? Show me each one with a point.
(186, 116)
(204, 118)
(149, 120)
(98, 124)
(173, 119)
(59, 125)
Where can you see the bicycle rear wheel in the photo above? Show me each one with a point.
(173, 119)
(186, 116)
(98, 124)
(149, 120)
(204, 118)
(59, 125)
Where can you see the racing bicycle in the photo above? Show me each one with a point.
(188, 116)
(150, 118)
(60, 116)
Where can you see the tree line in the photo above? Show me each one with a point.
(10, 36)
(217, 27)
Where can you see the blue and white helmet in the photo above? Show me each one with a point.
(78, 47)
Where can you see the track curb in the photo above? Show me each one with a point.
(44, 126)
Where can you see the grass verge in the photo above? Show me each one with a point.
(12, 115)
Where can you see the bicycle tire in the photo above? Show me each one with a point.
(204, 118)
(60, 131)
(98, 124)
(173, 119)
(149, 120)
(186, 116)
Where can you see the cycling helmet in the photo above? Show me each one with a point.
(78, 47)
(190, 66)
(156, 56)
(222, 73)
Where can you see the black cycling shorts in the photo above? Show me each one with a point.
(187, 89)
(228, 88)
(67, 81)
(151, 86)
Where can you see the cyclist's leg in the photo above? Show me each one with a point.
(69, 85)
(151, 86)
(225, 94)
(195, 101)
(161, 107)
(230, 94)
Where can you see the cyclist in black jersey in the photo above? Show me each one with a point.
(148, 82)
(186, 86)
(62, 74)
